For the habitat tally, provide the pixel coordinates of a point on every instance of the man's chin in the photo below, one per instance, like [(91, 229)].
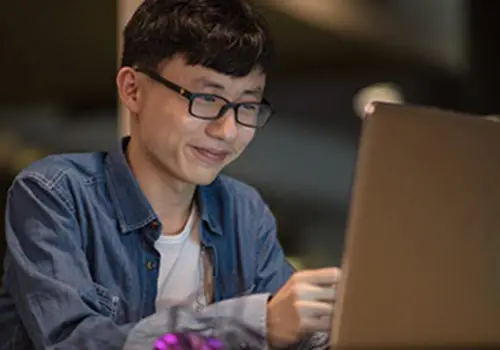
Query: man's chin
[(203, 177)]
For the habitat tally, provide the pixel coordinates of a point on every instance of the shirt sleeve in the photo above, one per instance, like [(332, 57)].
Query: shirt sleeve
[(47, 275)]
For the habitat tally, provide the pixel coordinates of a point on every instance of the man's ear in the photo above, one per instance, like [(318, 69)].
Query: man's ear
[(127, 82)]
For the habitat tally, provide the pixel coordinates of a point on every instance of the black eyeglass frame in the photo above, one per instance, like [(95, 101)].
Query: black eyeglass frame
[(191, 96)]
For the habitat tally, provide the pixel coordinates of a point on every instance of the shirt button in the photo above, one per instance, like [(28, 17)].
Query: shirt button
[(150, 265)]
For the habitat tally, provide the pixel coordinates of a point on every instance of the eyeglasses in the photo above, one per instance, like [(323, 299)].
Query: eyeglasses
[(212, 107)]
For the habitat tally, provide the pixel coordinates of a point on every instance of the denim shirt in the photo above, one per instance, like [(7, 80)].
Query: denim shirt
[(81, 269)]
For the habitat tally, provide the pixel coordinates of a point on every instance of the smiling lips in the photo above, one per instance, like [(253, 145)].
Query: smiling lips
[(211, 156)]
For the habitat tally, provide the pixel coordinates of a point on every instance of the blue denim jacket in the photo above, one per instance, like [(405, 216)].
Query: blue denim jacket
[(81, 270)]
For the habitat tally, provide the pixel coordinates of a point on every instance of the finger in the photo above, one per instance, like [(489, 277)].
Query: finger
[(318, 324), (315, 309), (325, 276), (312, 292)]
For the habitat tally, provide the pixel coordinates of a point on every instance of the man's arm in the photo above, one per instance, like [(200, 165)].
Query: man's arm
[(46, 272)]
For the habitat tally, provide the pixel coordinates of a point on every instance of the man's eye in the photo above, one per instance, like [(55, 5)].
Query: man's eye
[(208, 98), (250, 107)]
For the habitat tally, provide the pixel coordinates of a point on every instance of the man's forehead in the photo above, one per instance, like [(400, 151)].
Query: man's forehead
[(219, 81), (251, 84)]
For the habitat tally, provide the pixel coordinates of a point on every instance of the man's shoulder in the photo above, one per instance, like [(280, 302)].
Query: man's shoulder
[(54, 170)]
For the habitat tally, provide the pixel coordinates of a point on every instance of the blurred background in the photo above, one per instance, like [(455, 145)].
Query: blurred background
[(58, 61)]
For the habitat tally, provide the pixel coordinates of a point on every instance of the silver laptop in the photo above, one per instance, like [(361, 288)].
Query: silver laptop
[(421, 264)]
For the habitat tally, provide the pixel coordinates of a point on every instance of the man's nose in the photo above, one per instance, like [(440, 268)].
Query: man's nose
[(225, 127)]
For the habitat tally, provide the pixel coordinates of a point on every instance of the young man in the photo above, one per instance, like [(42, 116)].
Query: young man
[(98, 242)]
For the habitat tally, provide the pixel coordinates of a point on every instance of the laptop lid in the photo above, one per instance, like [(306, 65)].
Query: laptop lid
[(421, 264)]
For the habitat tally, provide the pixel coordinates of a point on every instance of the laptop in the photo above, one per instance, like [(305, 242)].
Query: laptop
[(421, 263)]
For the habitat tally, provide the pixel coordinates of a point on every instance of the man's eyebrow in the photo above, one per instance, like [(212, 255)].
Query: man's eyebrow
[(254, 92)]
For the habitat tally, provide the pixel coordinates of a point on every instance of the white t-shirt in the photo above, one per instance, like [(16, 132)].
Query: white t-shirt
[(181, 275)]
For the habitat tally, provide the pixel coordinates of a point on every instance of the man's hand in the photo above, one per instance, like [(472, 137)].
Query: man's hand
[(302, 306)]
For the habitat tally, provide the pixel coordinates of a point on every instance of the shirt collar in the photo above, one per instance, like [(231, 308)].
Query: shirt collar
[(133, 208)]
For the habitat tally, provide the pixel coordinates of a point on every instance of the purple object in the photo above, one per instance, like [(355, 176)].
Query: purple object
[(170, 339), (187, 341)]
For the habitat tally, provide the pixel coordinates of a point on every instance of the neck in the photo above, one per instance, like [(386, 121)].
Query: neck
[(170, 198)]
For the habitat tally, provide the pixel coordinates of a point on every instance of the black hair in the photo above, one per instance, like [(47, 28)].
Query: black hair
[(229, 36)]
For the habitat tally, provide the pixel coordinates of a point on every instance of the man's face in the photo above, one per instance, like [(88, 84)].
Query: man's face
[(191, 149)]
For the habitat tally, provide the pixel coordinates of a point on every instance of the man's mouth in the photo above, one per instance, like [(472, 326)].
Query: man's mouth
[(211, 156)]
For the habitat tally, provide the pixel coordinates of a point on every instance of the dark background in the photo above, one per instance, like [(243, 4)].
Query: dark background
[(58, 61)]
